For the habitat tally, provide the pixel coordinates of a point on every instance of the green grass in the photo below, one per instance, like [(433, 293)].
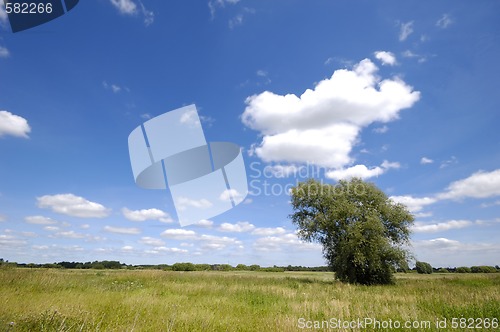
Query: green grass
[(151, 300)]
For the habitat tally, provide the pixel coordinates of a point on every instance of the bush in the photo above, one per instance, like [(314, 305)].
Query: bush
[(183, 267), (423, 267), (463, 269), (443, 270), (483, 269)]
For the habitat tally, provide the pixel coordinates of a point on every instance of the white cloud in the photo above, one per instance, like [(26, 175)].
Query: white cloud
[(322, 125), (381, 130), (445, 21), (127, 248), (163, 249), (406, 29), (268, 231), (183, 203), (4, 52), (69, 235), (479, 185), (288, 241), (125, 6), (420, 227), (361, 171), (40, 220), (239, 227), (52, 228), (9, 241), (452, 161), (387, 58), (414, 204), (179, 234), (72, 205), (230, 194), (190, 118), (152, 241), (204, 223), (14, 125), (147, 214), (121, 230), (425, 161), (211, 242)]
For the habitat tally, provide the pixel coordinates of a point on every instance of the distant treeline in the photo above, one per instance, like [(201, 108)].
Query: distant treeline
[(100, 265), (114, 265)]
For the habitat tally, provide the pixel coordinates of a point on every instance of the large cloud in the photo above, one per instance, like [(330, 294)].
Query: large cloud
[(72, 205), (14, 125), (478, 185), (322, 125)]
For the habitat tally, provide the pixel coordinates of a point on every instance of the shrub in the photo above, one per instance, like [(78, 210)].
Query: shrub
[(423, 267), (483, 269), (183, 267), (443, 270), (463, 269)]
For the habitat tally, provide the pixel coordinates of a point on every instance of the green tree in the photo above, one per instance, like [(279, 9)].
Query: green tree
[(423, 267), (361, 230)]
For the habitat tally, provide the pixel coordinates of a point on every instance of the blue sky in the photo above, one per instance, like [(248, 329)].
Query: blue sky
[(405, 96)]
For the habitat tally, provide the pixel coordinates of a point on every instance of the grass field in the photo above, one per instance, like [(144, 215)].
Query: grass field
[(153, 300)]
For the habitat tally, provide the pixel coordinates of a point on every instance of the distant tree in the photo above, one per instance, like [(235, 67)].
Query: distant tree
[(463, 269), (254, 267), (183, 267), (483, 269), (361, 230), (443, 270), (423, 267)]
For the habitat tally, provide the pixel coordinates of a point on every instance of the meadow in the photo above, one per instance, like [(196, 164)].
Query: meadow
[(155, 300)]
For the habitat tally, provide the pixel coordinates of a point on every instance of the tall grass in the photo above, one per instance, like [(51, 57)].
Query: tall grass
[(151, 300)]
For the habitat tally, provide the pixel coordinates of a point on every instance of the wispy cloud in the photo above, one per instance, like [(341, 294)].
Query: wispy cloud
[(445, 21), (405, 30)]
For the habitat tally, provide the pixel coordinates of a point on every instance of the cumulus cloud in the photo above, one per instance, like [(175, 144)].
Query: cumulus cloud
[(322, 125), (122, 230), (229, 195), (387, 58), (239, 227), (281, 242), (152, 241), (13, 125), (204, 223), (147, 214), (479, 185), (268, 231), (72, 205), (183, 203), (420, 227), (179, 234), (40, 220), (163, 249), (414, 204), (405, 29), (361, 171)]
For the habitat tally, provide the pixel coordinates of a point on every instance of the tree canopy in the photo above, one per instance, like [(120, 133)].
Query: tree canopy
[(362, 231)]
